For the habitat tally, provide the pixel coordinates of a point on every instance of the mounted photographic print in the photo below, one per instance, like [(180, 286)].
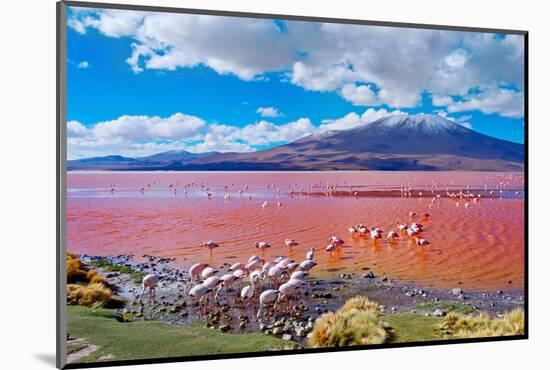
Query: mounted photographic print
[(238, 184)]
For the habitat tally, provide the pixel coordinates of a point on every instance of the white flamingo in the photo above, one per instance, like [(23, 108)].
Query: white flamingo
[(307, 265), (195, 271), (267, 299), (226, 281), (149, 282), (311, 254), (237, 266), (207, 272)]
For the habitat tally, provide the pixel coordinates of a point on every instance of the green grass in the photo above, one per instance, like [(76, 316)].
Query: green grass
[(136, 275), (448, 306), (150, 339), (412, 327)]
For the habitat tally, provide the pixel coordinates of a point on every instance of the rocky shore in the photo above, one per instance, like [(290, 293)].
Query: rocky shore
[(323, 295)]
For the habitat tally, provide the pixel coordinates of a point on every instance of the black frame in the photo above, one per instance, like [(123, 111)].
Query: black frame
[(62, 171)]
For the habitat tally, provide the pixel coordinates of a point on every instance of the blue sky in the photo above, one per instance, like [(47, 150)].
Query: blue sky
[(140, 83)]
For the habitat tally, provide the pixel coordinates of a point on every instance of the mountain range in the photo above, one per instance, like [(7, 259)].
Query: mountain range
[(398, 142)]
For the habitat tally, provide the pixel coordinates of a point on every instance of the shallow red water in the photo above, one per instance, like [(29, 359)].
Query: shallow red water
[(481, 246)]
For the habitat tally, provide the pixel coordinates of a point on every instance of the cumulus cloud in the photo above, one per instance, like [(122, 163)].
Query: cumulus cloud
[(401, 63), (83, 65), (144, 135), (271, 112), (505, 102), (359, 95)]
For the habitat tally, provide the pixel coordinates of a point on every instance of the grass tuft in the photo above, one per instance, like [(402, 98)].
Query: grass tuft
[(456, 325), (358, 322)]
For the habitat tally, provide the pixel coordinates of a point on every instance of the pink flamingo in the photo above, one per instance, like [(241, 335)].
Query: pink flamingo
[(393, 235), (311, 254), (422, 242), (331, 248), (291, 243), (210, 245), (262, 245)]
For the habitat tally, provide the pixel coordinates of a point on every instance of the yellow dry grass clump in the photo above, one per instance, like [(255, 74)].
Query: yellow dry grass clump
[(87, 287), (456, 325), (358, 322), (90, 295)]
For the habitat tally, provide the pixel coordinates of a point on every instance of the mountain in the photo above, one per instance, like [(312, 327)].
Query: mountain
[(398, 142), (153, 162)]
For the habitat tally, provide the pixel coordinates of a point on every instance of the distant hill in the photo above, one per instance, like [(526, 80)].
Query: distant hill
[(399, 142)]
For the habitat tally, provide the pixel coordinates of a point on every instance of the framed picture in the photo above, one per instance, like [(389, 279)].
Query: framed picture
[(237, 184)]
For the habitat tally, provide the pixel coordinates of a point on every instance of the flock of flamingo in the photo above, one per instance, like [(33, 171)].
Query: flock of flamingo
[(273, 282), (282, 279)]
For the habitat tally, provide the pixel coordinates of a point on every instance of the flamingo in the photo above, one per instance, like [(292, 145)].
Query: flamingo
[(299, 275), (211, 282), (363, 230), (307, 265), (267, 298), (275, 273), (284, 263), (352, 230), (331, 248), (412, 232), (375, 234), (199, 291), (207, 272), (253, 257), (311, 254), (422, 242), (412, 214), (237, 266), (252, 265), (291, 243), (393, 235), (267, 266), (195, 271), (210, 245), (291, 267), (337, 240), (247, 293), (288, 290), (226, 281), (149, 281), (262, 245)]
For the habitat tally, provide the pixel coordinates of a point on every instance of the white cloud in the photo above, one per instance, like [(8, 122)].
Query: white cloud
[(352, 120), (400, 63), (361, 95), (505, 102), (462, 120), (83, 65), (271, 112), (144, 135)]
